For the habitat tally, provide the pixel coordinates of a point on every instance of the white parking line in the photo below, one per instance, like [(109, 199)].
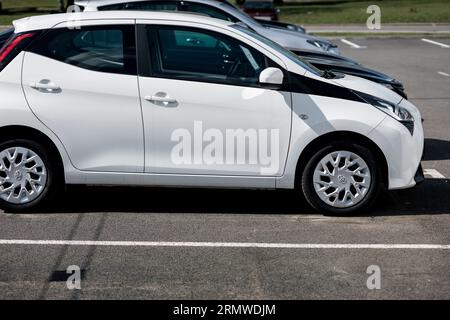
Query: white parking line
[(444, 74), (351, 44), (433, 173), (443, 45), (224, 244)]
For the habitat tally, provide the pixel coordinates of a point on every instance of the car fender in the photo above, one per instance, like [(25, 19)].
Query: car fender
[(316, 116)]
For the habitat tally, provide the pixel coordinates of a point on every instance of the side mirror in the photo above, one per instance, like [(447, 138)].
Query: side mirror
[(271, 77)]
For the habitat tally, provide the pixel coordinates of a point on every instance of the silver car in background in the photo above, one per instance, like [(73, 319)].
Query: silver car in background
[(221, 9)]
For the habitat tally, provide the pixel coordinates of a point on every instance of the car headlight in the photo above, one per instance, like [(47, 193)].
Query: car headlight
[(394, 110)]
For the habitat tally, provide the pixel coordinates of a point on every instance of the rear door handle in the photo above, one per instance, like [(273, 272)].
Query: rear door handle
[(45, 86)]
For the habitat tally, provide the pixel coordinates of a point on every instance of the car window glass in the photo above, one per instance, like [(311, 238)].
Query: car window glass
[(202, 55), (288, 54), (106, 49)]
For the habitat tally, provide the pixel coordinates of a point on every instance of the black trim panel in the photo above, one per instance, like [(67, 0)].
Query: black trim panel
[(307, 85), (419, 177)]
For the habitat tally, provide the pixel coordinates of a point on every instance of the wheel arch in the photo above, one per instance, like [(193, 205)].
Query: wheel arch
[(327, 138), (25, 132)]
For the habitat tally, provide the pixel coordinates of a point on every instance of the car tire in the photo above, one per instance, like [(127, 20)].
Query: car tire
[(32, 176), (364, 183)]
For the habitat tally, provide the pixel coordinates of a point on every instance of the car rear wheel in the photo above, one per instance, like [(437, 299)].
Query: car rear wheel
[(27, 175), (341, 178)]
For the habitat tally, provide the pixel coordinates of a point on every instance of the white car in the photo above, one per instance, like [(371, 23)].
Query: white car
[(179, 100)]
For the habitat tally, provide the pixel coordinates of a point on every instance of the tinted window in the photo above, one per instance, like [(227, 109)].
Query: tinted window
[(142, 5), (106, 49), (196, 54), (207, 11)]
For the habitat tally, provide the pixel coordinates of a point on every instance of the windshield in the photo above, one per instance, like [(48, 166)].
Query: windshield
[(288, 54)]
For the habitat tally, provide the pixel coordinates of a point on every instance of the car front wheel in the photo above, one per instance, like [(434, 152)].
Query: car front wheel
[(341, 178)]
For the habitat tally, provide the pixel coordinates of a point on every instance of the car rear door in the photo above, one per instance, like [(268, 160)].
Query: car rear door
[(82, 84)]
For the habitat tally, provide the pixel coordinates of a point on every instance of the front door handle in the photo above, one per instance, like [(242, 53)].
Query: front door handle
[(45, 86), (160, 97)]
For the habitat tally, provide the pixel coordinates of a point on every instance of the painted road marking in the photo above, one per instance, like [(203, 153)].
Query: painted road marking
[(351, 44), (223, 244), (443, 45), (444, 74), (433, 173)]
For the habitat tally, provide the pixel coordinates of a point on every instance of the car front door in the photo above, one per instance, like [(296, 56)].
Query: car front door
[(203, 108), (82, 84)]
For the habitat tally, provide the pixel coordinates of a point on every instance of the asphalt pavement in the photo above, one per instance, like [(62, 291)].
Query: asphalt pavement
[(149, 243)]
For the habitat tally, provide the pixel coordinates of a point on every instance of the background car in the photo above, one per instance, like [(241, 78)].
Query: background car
[(281, 25), (261, 9), (223, 10), (341, 64)]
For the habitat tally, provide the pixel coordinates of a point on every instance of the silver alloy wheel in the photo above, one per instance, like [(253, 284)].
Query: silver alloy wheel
[(23, 175), (342, 179)]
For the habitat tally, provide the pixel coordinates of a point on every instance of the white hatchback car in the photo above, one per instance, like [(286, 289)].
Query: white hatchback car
[(169, 99)]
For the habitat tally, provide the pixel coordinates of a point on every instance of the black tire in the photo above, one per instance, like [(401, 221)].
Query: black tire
[(53, 184), (313, 198)]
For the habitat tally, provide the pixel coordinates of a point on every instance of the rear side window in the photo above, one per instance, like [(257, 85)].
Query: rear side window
[(109, 49), (142, 5)]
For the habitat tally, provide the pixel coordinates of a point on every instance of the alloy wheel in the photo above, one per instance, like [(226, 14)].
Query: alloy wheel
[(23, 175), (342, 179)]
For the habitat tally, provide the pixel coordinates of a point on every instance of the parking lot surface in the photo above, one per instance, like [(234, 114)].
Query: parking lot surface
[(212, 244)]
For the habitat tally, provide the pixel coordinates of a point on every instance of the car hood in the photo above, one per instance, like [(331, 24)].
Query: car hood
[(368, 87), (325, 57)]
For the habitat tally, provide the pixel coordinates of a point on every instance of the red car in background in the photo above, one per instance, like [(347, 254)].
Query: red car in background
[(261, 9)]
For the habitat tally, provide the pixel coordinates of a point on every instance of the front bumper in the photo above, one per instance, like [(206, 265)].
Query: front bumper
[(402, 151)]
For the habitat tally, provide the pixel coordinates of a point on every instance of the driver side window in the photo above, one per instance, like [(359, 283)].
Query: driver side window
[(201, 55)]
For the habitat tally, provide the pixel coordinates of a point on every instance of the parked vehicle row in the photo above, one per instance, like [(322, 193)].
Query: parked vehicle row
[(173, 99), (223, 10)]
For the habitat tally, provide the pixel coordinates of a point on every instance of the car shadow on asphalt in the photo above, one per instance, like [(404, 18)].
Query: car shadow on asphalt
[(430, 197), (436, 149)]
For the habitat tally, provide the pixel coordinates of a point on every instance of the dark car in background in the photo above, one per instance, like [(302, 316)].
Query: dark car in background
[(339, 64), (261, 9)]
